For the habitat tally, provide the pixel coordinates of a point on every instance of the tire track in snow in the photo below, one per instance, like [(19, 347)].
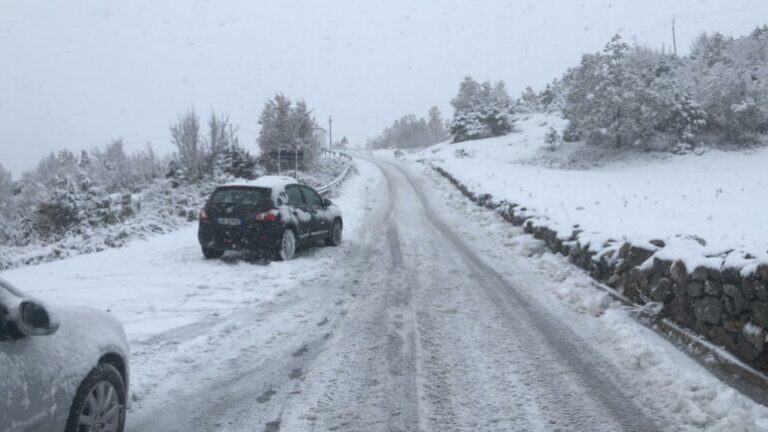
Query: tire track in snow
[(358, 258), (365, 379)]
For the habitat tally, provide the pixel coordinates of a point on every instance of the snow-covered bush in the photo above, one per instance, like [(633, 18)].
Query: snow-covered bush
[(529, 102), (552, 98), (553, 139), (157, 209)]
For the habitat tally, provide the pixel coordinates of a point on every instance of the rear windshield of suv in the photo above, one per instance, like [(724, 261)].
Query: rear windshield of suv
[(245, 196)]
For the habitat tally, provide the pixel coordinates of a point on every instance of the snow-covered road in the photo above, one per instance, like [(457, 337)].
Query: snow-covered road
[(434, 315)]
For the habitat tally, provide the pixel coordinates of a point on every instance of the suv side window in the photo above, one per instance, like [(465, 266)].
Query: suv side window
[(295, 199), (313, 199)]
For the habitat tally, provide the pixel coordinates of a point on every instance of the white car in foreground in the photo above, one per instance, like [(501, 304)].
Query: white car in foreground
[(62, 368)]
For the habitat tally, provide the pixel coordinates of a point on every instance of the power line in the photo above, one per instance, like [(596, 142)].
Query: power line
[(691, 16), (248, 130)]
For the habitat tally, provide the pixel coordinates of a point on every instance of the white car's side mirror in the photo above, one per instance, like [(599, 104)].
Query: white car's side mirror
[(34, 320)]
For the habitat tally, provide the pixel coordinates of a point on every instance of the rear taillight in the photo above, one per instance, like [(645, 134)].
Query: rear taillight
[(203, 215), (269, 216)]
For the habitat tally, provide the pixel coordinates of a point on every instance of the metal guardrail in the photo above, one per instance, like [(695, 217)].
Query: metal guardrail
[(337, 181), (336, 154)]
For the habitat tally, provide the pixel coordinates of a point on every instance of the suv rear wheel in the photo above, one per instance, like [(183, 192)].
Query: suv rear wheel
[(212, 253), (334, 237), (287, 248)]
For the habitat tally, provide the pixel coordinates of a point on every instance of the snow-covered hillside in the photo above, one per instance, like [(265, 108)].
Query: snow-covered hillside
[(712, 197)]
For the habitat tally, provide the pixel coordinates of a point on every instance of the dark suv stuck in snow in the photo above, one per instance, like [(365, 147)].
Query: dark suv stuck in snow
[(271, 214)]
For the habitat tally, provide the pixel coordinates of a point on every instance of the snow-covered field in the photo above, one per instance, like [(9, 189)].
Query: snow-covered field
[(433, 314), (715, 196)]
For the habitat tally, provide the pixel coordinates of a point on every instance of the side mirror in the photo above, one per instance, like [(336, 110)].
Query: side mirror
[(327, 202), (34, 320)]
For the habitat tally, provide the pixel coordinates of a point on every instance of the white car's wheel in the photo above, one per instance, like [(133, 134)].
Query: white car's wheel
[(100, 402)]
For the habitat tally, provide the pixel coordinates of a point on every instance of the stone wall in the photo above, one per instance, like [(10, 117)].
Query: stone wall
[(718, 303)]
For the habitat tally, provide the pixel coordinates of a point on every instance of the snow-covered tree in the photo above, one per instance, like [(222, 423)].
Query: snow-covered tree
[(436, 126), (481, 111), (185, 135), (303, 133), (728, 78), (410, 131), (553, 139), (115, 173), (145, 167), (288, 127), (6, 200), (529, 101), (68, 199), (635, 97), (6, 181), (69, 194), (471, 95), (275, 124), (552, 98), (237, 162), (630, 98), (219, 138)]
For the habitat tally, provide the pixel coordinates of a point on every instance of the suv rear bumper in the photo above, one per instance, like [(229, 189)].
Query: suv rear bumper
[(252, 239)]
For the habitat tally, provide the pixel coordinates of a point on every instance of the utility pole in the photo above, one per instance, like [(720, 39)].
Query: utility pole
[(330, 132), (674, 38)]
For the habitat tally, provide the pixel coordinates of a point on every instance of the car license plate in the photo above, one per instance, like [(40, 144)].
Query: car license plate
[(229, 221)]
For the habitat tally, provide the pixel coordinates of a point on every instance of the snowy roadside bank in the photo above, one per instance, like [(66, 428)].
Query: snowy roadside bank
[(627, 292), (701, 206), (160, 209), (605, 224)]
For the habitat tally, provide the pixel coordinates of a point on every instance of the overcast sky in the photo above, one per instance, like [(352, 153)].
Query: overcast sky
[(76, 74)]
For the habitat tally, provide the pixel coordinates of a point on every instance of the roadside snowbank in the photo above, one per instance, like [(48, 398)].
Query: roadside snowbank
[(158, 209), (702, 206)]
